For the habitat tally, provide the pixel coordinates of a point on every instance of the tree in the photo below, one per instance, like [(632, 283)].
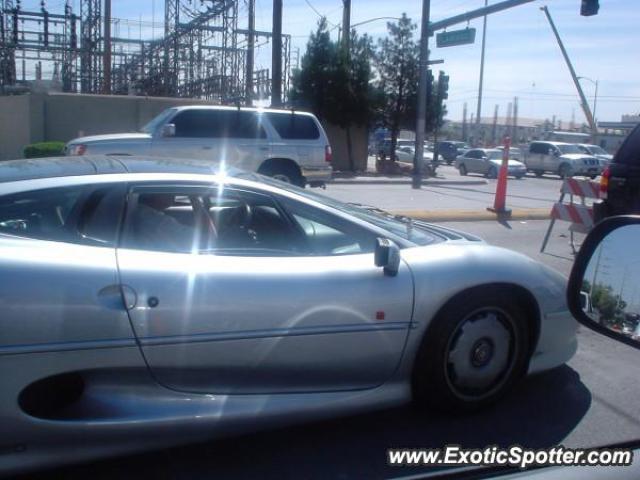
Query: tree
[(335, 85), (609, 305), (397, 61)]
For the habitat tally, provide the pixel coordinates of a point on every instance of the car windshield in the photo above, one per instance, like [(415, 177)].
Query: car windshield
[(596, 150), (153, 125), (400, 225), (569, 148)]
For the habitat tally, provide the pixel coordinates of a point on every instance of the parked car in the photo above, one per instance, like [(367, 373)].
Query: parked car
[(620, 181), (147, 302), (289, 146), (450, 150), (597, 152), (487, 161), (405, 153), (514, 152), (564, 159)]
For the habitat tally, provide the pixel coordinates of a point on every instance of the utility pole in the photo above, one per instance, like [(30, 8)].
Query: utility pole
[(248, 94), (495, 126), (418, 159), (345, 45), (484, 39), (106, 59), (514, 131), (583, 99), (276, 55), (464, 122), (346, 26)]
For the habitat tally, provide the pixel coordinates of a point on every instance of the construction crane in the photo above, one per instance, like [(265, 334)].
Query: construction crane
[(583, 100)]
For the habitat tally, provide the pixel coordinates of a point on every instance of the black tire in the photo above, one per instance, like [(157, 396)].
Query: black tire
[(285, 172), (463, 170), (449, 162), (519, 177), (435, 383), (565, 171), (592, 177), (538, 173), (492, 173)]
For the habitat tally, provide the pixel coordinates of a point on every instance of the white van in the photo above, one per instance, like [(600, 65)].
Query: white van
[(288, 145)]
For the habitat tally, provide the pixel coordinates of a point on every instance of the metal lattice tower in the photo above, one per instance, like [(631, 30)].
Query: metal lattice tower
[(8, 17), (201, 52), (90, 21)]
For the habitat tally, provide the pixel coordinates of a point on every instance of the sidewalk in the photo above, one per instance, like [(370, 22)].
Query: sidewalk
[(444, 176)]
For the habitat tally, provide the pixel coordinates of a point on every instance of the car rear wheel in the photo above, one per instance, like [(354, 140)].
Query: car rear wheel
[(463, 170), (473, 352), (538, 173), (285, 173), (492, 173)]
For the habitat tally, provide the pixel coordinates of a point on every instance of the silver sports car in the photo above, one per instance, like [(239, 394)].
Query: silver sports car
[(147, 303)]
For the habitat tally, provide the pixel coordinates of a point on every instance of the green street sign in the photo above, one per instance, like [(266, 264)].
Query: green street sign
[(456, 37)]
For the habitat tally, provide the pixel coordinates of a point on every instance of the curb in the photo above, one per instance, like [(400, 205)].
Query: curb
[(341, 181), (474, 215)]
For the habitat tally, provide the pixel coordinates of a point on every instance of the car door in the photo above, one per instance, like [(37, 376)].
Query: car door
[(257, 299), (59, 283), (552, 159), (196, 136), (242, 139), (473, 161), (534, 156)]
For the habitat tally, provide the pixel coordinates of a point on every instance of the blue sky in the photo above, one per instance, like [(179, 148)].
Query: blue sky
[(522, 56)]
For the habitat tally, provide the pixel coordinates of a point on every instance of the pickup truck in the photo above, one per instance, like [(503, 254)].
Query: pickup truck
[(290, 146), (564, 159)]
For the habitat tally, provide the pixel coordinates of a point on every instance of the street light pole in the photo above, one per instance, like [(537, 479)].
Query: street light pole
[(484, 39), (418, 159)]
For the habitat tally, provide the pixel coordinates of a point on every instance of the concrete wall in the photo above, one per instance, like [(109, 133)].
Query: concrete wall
[(15, 128), (32, 118)]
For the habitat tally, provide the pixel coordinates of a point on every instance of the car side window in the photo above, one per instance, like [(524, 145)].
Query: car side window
[(100, 217), (327, 235), (208, 123), (199, 123), (45, 214), (538, 148), (200, 220), (294, 127)]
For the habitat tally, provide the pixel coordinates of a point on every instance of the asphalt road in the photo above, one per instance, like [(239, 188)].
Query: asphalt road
[(529, 192), (591, 401)]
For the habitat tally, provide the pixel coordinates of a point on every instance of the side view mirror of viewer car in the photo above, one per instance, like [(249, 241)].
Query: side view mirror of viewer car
[(604, 287), (169, 130), (387, 256)]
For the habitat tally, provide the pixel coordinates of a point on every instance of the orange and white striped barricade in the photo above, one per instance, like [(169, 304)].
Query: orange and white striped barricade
[(579, 214)]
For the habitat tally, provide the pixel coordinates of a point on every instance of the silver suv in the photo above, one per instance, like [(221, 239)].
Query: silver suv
[(288, 145), (564, 159)]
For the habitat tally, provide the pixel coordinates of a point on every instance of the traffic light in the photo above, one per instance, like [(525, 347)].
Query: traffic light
[(443, 85), (429, 86), (589, 7)]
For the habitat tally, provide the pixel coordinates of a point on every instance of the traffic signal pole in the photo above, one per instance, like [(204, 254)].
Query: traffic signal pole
[(427, 29), (418, 159)]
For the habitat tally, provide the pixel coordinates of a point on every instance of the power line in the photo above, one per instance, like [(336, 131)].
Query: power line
[(315, 10)]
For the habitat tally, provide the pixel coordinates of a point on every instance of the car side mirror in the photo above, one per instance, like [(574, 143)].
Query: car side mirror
[(387, 256), (604, 287), (169, 130)]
